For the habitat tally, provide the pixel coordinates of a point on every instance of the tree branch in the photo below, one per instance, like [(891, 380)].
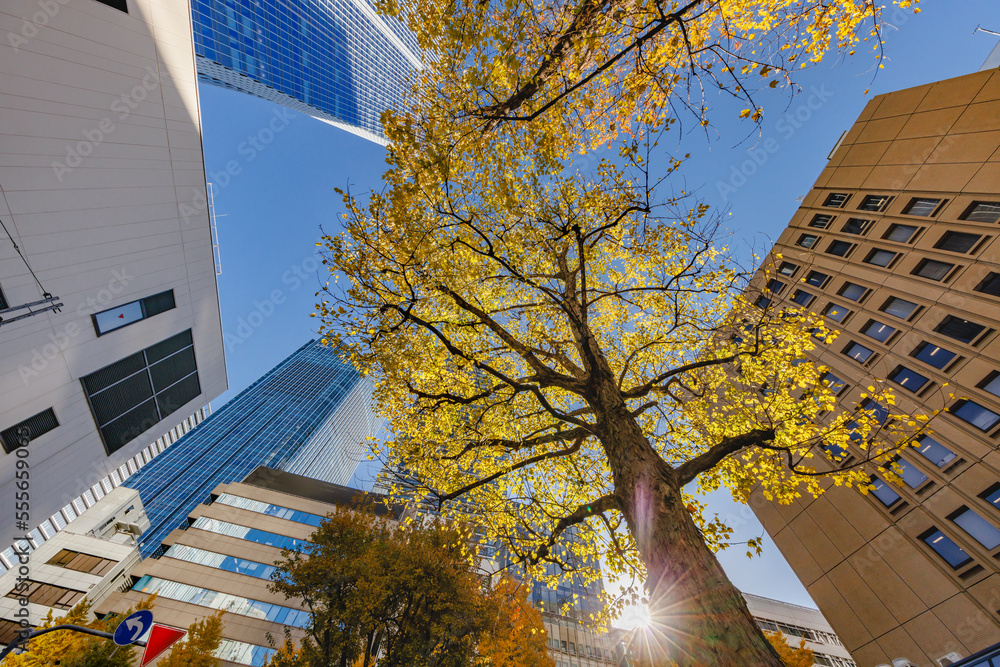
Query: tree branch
[(688, 470)]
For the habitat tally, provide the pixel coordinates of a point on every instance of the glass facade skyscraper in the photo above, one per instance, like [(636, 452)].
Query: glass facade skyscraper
[(310, 415), (335, 60)]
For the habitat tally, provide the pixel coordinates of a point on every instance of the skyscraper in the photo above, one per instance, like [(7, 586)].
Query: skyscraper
[(896, 245), (310, 415), (338, 61)]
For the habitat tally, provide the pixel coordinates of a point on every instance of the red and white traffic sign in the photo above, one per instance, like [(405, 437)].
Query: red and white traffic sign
[(161, 637)]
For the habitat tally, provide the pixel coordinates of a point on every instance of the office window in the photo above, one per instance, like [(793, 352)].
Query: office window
[(879, 412), (932, 355), (990, 284), (120, 5), (821, 221), (880, 257), (817, 279), (933, 269), (856, 226), (787, 269), (81, 562), (858, 352), (839, 248), (883, 491), (908, 379), (874, 202), (762, 302), (132, 395), (33, 427), (853, 291), (900, 308), (992, 495), (776, 286), (900, 233), (958, 241), (836, 312), (959, 329), (878, 331), (48, 595), (952, 554), (836, 199), (976, 526), (835, 384), (969, 411), (134, 311), (934, 451), (921, 206), (835, 452), (982, 211), (807, 240), (991, 383), (802, 297)]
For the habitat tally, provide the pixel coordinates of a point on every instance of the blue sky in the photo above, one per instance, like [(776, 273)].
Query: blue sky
[(275, 172)]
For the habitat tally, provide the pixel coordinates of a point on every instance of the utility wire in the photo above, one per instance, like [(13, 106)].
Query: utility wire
[(24, 259)]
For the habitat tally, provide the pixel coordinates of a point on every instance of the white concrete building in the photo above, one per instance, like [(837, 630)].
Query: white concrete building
[(110, 333), (800, 623), (92, 558)]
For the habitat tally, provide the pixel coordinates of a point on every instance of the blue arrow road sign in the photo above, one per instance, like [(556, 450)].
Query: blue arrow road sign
[(133, 627)]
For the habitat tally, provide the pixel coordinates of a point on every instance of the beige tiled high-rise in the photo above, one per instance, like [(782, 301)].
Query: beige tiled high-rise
[(898, 244)]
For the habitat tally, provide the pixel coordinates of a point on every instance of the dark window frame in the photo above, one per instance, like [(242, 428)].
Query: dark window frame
[(868, 200), (4, 304), (828, 201), (120, 5), (916, 201), (971, 210), (898, 225), (822, 283), (821, 221), (144, 306), (954, 409), (974, 339), (815, 239), (37, 425), (901, 370), (872, 323), (851, 345), (916, 308), (862, 225), (927, 261), (930, 532), (848, 284), (141, 388), (990, 282), (833, 304), (838, 244), (976, 241), (809, 296), (919, 350), (893, 256), (783, 269)]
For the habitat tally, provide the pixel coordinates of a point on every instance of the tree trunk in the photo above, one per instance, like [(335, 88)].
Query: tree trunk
[(697, 616)]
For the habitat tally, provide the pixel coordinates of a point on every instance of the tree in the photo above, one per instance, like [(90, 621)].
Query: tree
[(556, 344), (560, 348), (791, 656), (395, 596), (72, 649), (198, 647), (513, 635)]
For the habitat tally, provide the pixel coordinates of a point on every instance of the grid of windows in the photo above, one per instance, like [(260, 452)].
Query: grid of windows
[(131, 396), (81, 562), (338, 60), (310, 415), (232, 604), (249, 534)]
